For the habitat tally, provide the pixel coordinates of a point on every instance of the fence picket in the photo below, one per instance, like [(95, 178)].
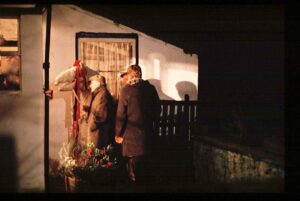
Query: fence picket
[(177, 121)]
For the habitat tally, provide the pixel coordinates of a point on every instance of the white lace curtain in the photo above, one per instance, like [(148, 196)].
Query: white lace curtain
[(110, 58)]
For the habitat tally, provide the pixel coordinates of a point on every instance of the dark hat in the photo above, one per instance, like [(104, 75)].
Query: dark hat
[(122, 74), (134, 71)]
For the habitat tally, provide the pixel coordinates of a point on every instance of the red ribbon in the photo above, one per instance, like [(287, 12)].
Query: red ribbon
[(79, 72)]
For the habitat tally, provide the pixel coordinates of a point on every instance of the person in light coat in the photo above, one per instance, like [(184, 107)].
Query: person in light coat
[(100, 113)]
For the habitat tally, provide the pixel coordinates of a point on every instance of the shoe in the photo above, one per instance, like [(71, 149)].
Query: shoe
[(131, 169), (132, 177)]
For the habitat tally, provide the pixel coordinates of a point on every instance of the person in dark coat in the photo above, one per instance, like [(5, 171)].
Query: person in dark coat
[(100, 113), (138, 107)]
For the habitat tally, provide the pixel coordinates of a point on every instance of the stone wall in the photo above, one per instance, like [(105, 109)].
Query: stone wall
[(237, 169)]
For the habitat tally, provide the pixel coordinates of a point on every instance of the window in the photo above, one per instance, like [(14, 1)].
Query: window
[(10, 67), (109, 54)]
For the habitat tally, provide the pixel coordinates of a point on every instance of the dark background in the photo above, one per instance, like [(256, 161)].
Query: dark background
[(241, 59)]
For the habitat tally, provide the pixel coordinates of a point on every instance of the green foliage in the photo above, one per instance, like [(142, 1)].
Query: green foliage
[(89, 162)]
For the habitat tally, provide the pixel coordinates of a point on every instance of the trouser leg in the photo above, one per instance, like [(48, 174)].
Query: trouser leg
[(134, 167), (131, 167)]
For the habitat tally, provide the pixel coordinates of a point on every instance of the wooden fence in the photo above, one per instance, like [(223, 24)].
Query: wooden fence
[(177, 121), (173, 149)]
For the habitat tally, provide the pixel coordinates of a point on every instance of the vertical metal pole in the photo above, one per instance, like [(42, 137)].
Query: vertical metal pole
[(46, 66), (76, 45), (137, 50)]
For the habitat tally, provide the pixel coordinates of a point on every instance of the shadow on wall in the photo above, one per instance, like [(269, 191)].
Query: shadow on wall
[(189, 88), (8, 166), (157, 84), (12, 103)]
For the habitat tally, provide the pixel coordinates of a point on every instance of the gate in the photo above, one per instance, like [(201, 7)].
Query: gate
[(177, 121), (174, 130)]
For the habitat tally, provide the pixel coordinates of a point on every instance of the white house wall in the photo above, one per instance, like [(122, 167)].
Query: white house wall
[(67, 20), (22, 114), (163, 64)]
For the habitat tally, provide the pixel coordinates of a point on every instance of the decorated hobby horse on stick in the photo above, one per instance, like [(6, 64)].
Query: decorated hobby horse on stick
[(71, 79)]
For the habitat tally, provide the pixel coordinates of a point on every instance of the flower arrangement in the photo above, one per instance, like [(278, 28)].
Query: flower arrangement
[(66, 163), (86, 161)]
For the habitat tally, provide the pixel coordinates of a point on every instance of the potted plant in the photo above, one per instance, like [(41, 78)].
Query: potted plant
[(87, 166)]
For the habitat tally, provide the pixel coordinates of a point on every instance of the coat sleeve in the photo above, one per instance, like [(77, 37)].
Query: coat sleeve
[(101, 108), (121, 117), (155, 104)]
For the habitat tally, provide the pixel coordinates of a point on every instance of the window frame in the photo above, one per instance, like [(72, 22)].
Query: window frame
[(108, 35), (14, 53)]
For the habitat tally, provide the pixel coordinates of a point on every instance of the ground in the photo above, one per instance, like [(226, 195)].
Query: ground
[(57, 185)]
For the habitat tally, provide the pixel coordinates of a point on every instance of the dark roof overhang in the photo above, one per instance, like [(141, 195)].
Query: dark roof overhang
[(21, 9)]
